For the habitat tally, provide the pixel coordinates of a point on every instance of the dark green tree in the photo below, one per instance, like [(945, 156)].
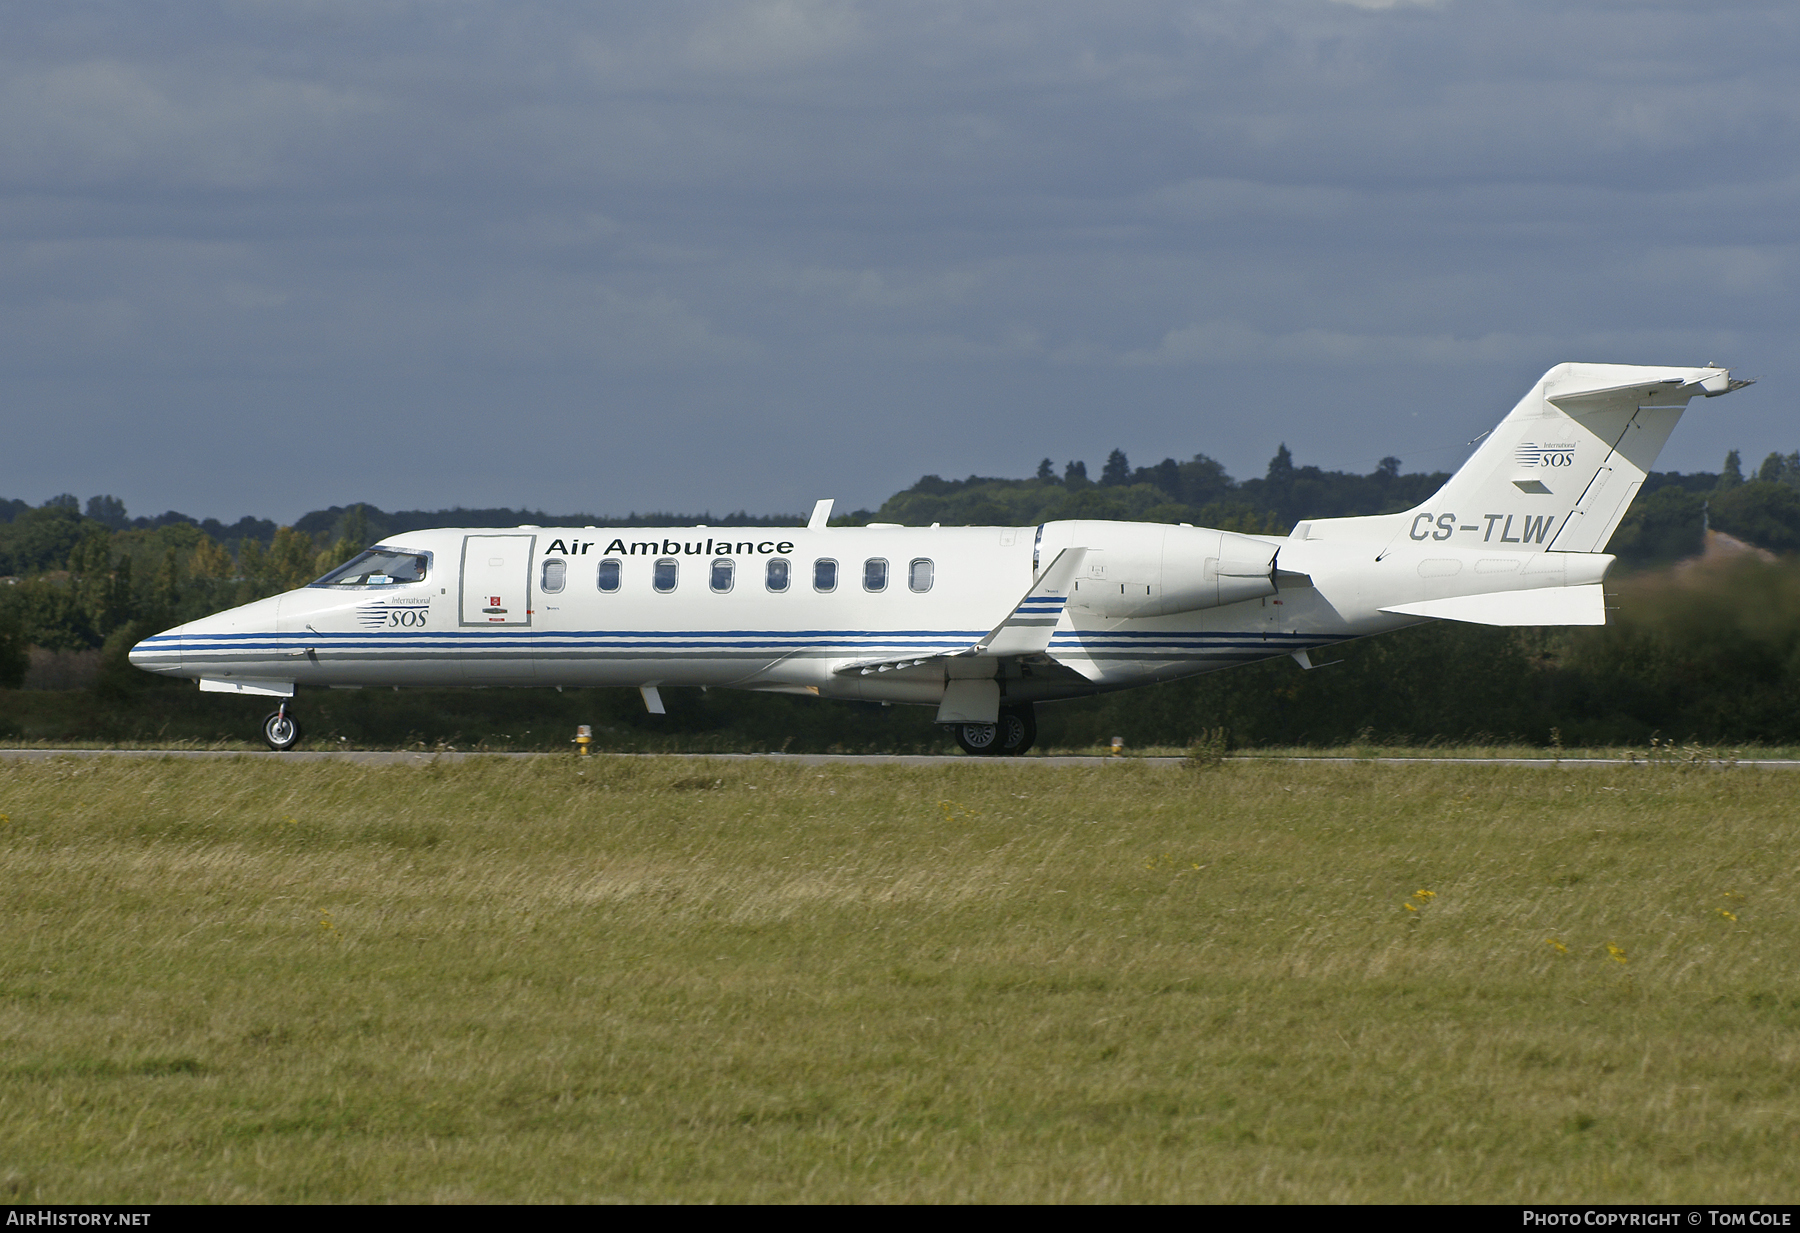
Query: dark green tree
[(1116, 471), (15, 648), (1764, 513), (1281, 467), (1166, 475), (1732, 473), (1660, 529), (109, 512), (101, 583)]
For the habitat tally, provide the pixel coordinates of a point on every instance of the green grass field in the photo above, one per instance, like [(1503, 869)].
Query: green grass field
[(656, 979)]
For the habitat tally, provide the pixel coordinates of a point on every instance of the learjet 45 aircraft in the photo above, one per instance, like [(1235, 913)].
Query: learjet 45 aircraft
[(979, 622)]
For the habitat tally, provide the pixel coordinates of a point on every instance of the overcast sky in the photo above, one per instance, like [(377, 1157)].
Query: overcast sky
[(266, 257)]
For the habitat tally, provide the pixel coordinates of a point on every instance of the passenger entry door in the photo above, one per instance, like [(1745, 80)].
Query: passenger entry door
[(496, 580)]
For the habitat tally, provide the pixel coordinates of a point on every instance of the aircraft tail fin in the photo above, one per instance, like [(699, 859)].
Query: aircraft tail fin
[(1518, 535), (1559, 472), (1561, 469)]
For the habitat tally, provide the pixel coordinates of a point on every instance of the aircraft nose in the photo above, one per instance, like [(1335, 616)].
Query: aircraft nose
[(155, 654)]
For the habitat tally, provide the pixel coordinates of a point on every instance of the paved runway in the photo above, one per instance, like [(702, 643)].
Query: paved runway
[(374, 757)]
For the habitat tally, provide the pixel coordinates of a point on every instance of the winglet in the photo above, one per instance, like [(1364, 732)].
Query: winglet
[(1025, 631), (1027, 628), (820, 516)]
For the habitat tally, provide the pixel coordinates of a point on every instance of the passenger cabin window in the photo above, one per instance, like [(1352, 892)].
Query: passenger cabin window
[(662, 575), (775, 574), (875, 574), (379, 567), (556, 572), (918, 575), (608, 579), (723, 569), (824, 574)]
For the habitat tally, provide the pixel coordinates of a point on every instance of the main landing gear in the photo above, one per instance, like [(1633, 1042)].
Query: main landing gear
[(281, 729), (1012, 735)]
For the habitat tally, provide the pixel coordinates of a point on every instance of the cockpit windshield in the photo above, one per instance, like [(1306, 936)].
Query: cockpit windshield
[(379, 567)]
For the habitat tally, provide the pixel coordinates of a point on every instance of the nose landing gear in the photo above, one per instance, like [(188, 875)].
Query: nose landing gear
[(1015, 732), (281, 729)]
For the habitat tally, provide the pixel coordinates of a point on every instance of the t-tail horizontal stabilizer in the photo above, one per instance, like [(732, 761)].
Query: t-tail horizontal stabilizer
[(1582, 605)]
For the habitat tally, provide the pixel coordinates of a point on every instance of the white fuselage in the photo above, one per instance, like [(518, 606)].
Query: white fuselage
[(945, 588)]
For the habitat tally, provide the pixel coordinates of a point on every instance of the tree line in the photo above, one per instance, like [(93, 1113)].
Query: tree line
[(1697, 653), (1198, 491)]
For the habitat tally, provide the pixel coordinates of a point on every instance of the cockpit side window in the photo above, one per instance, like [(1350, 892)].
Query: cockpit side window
[(379, 567)]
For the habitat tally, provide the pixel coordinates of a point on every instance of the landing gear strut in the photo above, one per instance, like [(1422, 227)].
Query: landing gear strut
[(281, 729), (1012, 735)]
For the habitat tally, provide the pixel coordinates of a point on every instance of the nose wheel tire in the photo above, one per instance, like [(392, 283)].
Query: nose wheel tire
[(281, 730)]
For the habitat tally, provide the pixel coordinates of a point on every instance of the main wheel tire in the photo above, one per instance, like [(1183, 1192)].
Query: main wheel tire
[(982, 740), (281, 730), (1018, 730)]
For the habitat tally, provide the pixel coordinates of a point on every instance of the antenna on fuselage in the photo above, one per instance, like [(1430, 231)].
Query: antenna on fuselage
[(821, 515)]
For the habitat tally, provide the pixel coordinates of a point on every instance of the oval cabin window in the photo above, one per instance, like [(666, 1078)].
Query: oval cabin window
[(556, 572), (663, 573), (609, 575)]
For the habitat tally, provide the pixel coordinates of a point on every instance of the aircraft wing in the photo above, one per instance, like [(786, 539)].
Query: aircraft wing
[(1025, 631)]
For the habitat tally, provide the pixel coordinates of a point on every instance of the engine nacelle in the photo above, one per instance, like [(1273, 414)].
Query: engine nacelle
[(1136, 570)]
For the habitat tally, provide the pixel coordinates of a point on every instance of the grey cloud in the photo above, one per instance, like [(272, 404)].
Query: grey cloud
[(814, 241)]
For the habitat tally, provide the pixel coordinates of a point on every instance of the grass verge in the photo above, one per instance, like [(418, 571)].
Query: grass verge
[(648, 979)]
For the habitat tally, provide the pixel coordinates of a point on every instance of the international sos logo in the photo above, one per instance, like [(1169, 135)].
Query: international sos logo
[(395, 616), (1555, 454)]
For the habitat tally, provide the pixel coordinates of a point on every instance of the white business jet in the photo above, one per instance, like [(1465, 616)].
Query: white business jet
[(979, 622)]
